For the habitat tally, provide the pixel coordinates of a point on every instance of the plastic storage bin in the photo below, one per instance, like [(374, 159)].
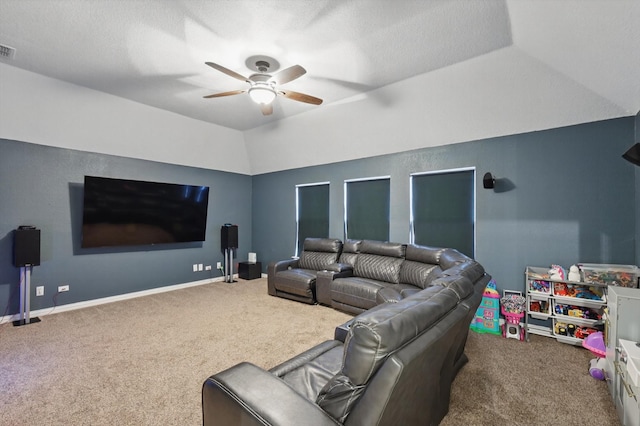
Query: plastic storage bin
[(618, 275)]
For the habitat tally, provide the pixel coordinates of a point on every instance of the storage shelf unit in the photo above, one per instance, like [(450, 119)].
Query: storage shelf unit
[(562, 309)]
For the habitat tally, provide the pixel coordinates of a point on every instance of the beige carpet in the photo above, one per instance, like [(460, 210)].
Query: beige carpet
[(143, 361)]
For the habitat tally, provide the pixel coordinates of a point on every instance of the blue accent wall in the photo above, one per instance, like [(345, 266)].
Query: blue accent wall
[(562, 196), (43, 186)]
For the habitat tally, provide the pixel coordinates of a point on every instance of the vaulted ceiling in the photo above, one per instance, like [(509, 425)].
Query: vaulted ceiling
[(154, 51)]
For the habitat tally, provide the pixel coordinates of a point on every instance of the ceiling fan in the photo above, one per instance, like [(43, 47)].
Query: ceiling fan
[(264, 87)]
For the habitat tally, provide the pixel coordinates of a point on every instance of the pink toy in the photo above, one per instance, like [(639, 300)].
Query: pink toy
[(512, 325), (595, 343)]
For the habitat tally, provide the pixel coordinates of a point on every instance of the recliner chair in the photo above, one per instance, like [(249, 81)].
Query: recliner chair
[(395, 367), (295, 279)]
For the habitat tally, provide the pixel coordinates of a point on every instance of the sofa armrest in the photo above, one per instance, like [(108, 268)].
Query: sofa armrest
[(323, 283), (275, 267), (248, 395), (339, 267)]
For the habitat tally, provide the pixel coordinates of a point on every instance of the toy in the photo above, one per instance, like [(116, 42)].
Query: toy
[(540, 285), (560, 289), (574, 273), (535, 306), (487, 316), (512, 307), (583, 332), (557, 272), (595, 343)]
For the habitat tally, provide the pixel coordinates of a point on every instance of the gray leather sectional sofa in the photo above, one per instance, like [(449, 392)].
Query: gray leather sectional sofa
[(393, 364)]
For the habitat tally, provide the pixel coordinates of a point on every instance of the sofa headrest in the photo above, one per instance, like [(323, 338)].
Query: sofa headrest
[(351, 246), (459, 284), (378, 333), (328, 245), (424, 254), (382, 248), (451, 257), (470, 269)]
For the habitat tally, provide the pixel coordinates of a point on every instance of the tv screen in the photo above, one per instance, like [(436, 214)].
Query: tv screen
[(121, 212)]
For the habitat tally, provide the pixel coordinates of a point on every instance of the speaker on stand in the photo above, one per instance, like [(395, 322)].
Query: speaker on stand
[(228, 243), (26, 255)]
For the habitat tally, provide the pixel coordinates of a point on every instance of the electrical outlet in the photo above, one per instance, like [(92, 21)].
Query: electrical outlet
[(199, 266), (207, 268), (195, 267), (219, 265), (40, 290), (62, 288)]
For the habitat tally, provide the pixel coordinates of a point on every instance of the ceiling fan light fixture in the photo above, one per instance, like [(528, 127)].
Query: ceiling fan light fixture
[(262, 94)]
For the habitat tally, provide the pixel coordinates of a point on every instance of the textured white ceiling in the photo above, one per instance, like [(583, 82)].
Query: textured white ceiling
[(153, 51)]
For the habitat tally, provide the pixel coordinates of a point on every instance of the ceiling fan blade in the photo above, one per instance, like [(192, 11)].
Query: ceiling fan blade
[(219, 95), (288, 74), (227, 71), (267, 109), (300, 97)]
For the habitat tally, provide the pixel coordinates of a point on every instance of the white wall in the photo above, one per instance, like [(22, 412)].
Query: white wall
[(46, 111), (501, 93)]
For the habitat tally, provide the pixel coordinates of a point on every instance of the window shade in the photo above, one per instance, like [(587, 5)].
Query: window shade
[(313, 213), (443, 210), (367, 210)]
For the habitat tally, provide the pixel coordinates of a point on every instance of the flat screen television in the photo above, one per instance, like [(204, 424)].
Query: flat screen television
[(121, 212)]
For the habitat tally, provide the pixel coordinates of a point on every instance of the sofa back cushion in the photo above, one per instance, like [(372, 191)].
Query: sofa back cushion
[(374, 336), (379, 261), (350, 250), (319, 253), (418, 274)]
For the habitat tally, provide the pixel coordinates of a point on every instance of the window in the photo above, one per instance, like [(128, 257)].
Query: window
[(443, 210), (312, 212), (366, 204)]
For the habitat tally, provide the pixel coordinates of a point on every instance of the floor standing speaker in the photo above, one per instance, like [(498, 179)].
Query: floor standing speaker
[(229, 236), (26, 246)]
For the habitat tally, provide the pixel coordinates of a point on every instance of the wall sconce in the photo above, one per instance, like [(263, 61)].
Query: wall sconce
[(633, 154), (488, 181)]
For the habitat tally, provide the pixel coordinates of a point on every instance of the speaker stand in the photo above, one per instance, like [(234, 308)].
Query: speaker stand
[(228, 265), (25, 297)]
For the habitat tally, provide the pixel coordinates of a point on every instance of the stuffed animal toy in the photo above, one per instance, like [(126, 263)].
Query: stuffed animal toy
[(557, 272), (574, 273)]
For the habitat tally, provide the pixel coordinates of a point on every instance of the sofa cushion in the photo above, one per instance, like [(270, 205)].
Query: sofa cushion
[(383, 248), (375, 335), (459, 284), (375, 267), (417, 273), (424, 254), (296, 281), (395, 292), (470, 269), (350, 251), (309, 371), (317, 260), (318, 253), (355, 291)]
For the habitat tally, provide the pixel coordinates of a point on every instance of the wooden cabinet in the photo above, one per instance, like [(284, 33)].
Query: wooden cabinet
[(622, 320)]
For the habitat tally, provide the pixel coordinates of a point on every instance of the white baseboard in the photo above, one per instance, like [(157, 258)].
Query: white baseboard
[(110, 299)]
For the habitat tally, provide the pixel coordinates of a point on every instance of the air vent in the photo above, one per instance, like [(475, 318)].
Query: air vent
[(7, 52)]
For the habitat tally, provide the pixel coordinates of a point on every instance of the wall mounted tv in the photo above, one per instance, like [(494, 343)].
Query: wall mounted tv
[(120, 212)]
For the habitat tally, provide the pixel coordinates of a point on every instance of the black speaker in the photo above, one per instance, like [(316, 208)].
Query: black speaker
[(228, 236), (488, 181), (633, 154), (26, 246)]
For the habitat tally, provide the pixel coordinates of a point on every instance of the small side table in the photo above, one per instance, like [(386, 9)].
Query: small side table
[(249, 270)]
